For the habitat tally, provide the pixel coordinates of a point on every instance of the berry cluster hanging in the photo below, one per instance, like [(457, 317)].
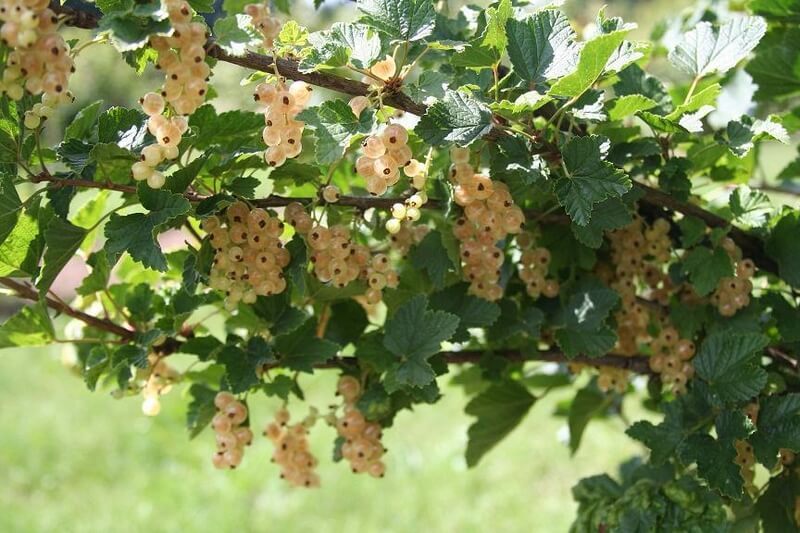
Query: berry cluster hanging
[(249, 255)]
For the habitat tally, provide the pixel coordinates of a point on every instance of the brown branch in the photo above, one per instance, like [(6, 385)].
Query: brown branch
[(28, 292), (358, 202), (751, 245)]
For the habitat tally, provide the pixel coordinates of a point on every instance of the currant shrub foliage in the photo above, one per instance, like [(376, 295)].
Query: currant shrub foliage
[(489, 195)]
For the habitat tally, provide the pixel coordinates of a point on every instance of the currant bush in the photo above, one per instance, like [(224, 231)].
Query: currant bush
[(462, 206)]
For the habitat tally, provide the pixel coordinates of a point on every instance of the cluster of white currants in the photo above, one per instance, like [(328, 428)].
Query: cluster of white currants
[(379, 274), (182, 57), (383, 157), (292, 452), (362, 446), (249, 255), (533, 265), (672, 359), (282, 132), (407, 236), (231, 435), (168, 133), (159, 380), (39, 61), (489, 216), (733, 292), (268, 26)]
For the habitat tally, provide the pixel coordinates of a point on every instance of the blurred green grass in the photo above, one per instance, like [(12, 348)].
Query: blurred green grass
[(71, 460)]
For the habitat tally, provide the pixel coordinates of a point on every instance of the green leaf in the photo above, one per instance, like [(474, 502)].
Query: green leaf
[(180, 180), (705, 267), (459, 118), (494, 35), (431, 256), (777, 504), (589, 179), (608, 215), (635, 81), (130, 24), (10, 206), (362, 43), (782, 10), (472, 312), (715, 464), (136, 233), (230, 130), (241, 365), (776, 66), (334, 125), (741, 135), (750, 207), (201, 409), (627, 105), (542, 46), (588, 403), (729, 363), (230, 34), (30, 326), (594, 56), (583, 328), (97, 280), (17, 248), (300, 350), (499, 409), (784, 247), (62, 240), (778, 426), (347, 322), (413, 335), (402, 20), (85, 123), (704, 50)]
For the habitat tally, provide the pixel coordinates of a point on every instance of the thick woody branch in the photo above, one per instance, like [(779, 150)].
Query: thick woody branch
[(751, 245), (358, 202), (27, 292)]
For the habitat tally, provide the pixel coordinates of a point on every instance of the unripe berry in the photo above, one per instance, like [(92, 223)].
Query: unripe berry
[(156, 180), (141, 171), (393, 226)]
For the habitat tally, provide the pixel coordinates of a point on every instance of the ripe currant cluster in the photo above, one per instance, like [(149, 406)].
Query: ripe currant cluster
[(292, 452), (533, 266), (746, 460), (408, 210), (282, 133), (379, 274), (733, 292), (672, 359), (383, 157), (638, 252), (268, 26), (249, 255), (489, 216), (612, 379), (182, 57), (335, 257), (362, 439), (407, 236), (159, 380), (40, 61), (168, 133), (231, 435)]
